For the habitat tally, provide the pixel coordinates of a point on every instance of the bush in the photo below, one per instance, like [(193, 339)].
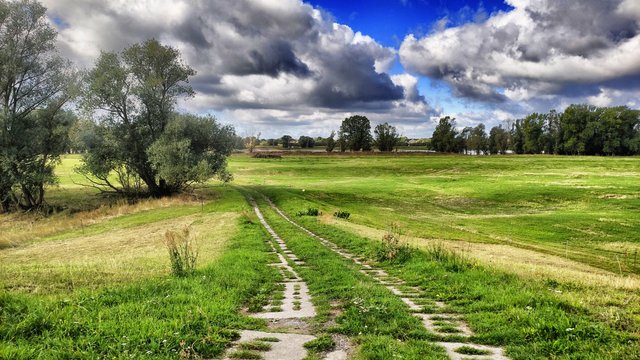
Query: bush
[(391, 248), (309, 212), (342, 214), (183, 251)]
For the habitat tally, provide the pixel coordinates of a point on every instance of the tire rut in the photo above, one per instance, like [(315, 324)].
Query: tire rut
[(452, 328)]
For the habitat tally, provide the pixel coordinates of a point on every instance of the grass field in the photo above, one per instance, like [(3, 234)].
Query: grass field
[(546, 244)]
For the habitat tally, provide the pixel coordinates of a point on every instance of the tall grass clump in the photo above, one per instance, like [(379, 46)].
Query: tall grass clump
[(450, 260), (391, 248), (183, 251), (340, 214)]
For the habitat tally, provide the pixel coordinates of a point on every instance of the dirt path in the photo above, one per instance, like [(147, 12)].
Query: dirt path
[(447, 325), (287, 315)]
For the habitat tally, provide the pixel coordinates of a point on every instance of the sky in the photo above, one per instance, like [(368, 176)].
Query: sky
[(280, 67)]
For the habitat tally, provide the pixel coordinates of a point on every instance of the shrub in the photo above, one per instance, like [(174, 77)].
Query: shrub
[(342, 214), (309, 212), (391, 248), (183, 251)]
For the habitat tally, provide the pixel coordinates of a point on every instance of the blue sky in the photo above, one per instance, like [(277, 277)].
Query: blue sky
[(300, 67), (389, 21)]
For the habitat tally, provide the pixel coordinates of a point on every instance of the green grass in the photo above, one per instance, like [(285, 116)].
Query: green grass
[(539, 254), (581, 208), (157, 318), (525, 317)]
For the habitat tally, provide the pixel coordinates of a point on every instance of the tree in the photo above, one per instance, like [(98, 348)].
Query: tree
[(387, 137), (498, 140), (35, 85), (356, 133), (517, 137), (533, 133), (444, 136), (478, 141), (461, 143), (135, 93), (331, 143), (306, 142), (286, 141), (342, 143), (250, 142)]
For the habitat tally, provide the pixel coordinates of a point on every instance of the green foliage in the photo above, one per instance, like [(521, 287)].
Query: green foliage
[(331, 143), (323, 343), (183, 251), (306, 142), (192, 149), (387, 137), (444, 136), (341, 214), (579, 130), (286, 141), (355, 133), (309, 212), (468, 350), (499, 139), (35, 85), (140, 138)]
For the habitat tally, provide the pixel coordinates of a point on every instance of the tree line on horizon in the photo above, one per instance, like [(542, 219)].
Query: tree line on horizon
[(579, 130)]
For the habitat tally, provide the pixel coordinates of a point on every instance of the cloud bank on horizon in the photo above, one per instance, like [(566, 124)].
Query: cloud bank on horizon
[(540, 53), (289, 67)]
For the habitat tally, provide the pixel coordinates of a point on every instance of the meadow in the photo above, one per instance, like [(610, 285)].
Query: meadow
[(525, 247)]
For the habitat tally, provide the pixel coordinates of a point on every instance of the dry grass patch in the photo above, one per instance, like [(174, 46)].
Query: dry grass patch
[(612, 298), (115, 256), (19, 228)]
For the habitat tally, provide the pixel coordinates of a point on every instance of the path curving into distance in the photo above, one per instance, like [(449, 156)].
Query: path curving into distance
[(446, 325), (294, 308)]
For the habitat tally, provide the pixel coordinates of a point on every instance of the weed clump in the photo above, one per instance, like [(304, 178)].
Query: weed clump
[(321, 344), (468, 350), (391, 248), (450, 260), (309, 212), (340, 214), (183, 251)]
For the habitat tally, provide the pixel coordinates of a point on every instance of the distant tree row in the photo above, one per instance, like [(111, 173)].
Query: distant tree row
[(579, 130), (354, 135)]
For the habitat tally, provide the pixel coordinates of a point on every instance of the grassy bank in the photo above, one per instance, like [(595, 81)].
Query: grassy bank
[(532, 319)]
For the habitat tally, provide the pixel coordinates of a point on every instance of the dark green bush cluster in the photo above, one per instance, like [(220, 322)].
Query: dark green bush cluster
[(309, 212), (342, 214)]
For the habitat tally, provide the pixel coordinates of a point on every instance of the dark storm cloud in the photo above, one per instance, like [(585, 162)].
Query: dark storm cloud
[(248, 53), (539, 48)]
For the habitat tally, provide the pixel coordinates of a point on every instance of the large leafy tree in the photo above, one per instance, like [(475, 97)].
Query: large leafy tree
[(498, 142), (140, 145), (355, 132), (35, 85), (387, 137), (478, 140), (444, 136)]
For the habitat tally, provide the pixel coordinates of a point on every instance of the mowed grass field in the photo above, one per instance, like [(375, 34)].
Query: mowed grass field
[(546, 262), (568, 224), (580, 208)]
